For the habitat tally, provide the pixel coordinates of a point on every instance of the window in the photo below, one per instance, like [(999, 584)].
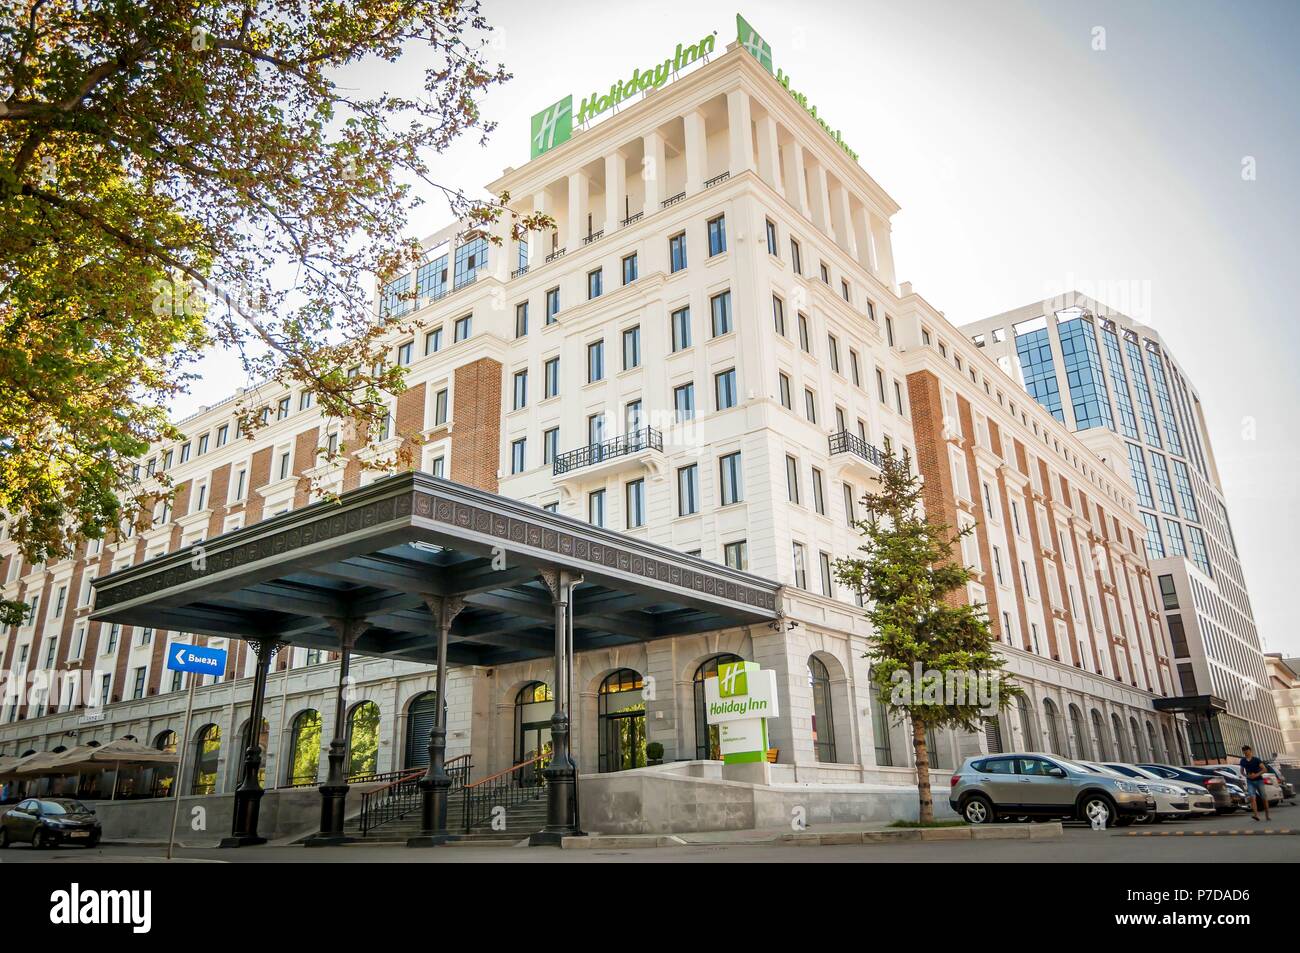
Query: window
[(464, 328), (551, 371), (724, 388), (595, 283), (138, 690), (632, 417), (889, 330), (898, 398), (792, 479), (784, 384), (810, 405), (284, 471), (880, 386), (778, 315), (518, 453), (796, 259), (684, 401), (771, 237), (853, 363), (849, 515), (440, 407), (681, 329), (632, 348), (844, 291), (552, 305), (433, 341), (550, 444), (629, 269), (805, 342), (720, 308), (833, 348), (470, 257), (185, 448), (828, 578), (677, 252), (439, 466), (596, 507), (635, 495), (819, 498), (203, 445), (239, 484), (521, 390), (800, 565), (717, 235), (223, 432), (730, 479), (688, 490), (521, 319), (735, 555), (595, 361), (404, 355), (825, 272), (595, 429)]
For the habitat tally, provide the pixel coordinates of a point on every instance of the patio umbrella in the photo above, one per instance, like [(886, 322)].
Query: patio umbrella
[(118, 752), (42, 763)]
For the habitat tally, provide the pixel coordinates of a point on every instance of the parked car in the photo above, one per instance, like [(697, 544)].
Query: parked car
[(1225, 799), (49, 821), (1174, 799), (1200, 799), (1272, 783), (1288, 789), (1044, 785)]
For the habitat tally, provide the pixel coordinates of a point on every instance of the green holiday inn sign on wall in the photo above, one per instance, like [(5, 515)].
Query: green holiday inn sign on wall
[(554, 124)]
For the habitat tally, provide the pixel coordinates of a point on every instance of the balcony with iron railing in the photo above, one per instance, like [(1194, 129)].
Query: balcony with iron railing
[(629, 448), (856, 450)]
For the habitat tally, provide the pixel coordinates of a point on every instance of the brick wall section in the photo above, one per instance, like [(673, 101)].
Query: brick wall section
[(981, 529), (1064, 588), (33, 654), (218, 492), (305, 446), (476, 424), (259, 475), (1044, 596), (119, 688), (410, 422)]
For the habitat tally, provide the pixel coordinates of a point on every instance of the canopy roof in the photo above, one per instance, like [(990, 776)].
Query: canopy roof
[(379, 553)]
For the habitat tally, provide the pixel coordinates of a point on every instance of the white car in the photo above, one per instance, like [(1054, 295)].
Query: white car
[(1182, 800)]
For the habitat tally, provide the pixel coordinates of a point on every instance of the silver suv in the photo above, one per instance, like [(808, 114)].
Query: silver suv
[(1044, 785)]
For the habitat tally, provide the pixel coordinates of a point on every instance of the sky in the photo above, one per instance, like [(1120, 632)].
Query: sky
[(1146, 153)]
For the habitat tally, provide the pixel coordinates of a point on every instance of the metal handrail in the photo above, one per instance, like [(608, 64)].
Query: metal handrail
[(647, 438), (845, 442), (515, 785), (403, 795), (710, 183), (672, 200)]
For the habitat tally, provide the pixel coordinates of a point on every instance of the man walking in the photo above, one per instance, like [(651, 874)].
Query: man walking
[(1253, 769)]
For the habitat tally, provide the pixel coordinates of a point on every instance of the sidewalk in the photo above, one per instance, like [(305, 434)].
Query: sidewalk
[(824, 835)]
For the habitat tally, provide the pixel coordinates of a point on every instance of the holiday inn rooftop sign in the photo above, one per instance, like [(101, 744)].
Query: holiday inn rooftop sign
[(554, 124)]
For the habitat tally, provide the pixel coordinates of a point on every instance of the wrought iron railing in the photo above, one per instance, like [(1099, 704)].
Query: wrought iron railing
[(594, 237), (647, 438), (845, 442), (403, 795), (710, 183), (672, 200), (634, 217), (558, 253), (521, 270), (516, 785)]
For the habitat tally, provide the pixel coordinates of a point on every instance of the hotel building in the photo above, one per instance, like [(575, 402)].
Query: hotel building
[(1116, 383), (708, 355)]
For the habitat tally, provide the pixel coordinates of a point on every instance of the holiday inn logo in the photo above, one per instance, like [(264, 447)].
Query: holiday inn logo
[(552, 126), (732, 679), (755, 44)]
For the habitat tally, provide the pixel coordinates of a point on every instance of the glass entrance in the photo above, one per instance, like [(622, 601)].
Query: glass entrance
[(622, 722), (534, 706)]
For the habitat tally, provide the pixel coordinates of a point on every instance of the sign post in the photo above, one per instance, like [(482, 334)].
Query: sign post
[(196, 660), (739, 700)]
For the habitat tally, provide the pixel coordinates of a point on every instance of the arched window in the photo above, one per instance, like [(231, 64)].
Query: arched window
[(621, 704), (207, 752), (707, 745), (1169, 744), (823, 726), (304, 748), (1151, 743), (993, 734), (1121, 741), (936, 752), (165, 741), (420, 718), (1053, 727), (534, 706), (161, 777), (59, 750), (1080, 738), (245, 741), (1138, 747), (1104, 750), (1028, 728), (363, 740), (880, 728)]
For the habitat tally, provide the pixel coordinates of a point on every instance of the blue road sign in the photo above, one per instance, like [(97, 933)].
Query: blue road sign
[(199, 659)]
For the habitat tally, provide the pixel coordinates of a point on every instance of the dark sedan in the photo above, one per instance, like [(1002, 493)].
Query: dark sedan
[(50, 821), (1220, 788)]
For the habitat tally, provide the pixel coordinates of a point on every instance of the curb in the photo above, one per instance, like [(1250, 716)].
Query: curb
[(1047, 831), (1251, 832)]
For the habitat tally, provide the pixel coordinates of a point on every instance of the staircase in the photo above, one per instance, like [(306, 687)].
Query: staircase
[(515, 797)]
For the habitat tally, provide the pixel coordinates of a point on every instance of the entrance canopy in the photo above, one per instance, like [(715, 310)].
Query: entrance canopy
[(383, 552)]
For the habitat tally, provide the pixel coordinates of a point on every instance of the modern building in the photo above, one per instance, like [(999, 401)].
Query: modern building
[(1284, 678), (1117, 385), (703, 362)]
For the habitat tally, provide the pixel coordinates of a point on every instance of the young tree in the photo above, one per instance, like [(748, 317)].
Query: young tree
[(930, 649), (163, 165)]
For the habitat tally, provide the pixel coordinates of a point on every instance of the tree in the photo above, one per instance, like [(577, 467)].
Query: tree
[(932, 653), (162, 164)]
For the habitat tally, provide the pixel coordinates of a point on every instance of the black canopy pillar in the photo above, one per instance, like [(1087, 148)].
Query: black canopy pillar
[(436, 783), (248, 796), (562, 773), (334, 792)]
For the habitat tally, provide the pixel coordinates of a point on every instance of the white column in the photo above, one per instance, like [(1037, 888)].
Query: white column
[(615, 189), (653, 171), (884, 255), (769, 166), (502, 256), (820, 200), (862, 237), (795, 192), (739, 132), (842, 217), (697, 153), (579, 187), (539, 242)]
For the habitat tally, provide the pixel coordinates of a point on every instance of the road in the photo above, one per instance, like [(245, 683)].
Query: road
[(1172, 842)]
